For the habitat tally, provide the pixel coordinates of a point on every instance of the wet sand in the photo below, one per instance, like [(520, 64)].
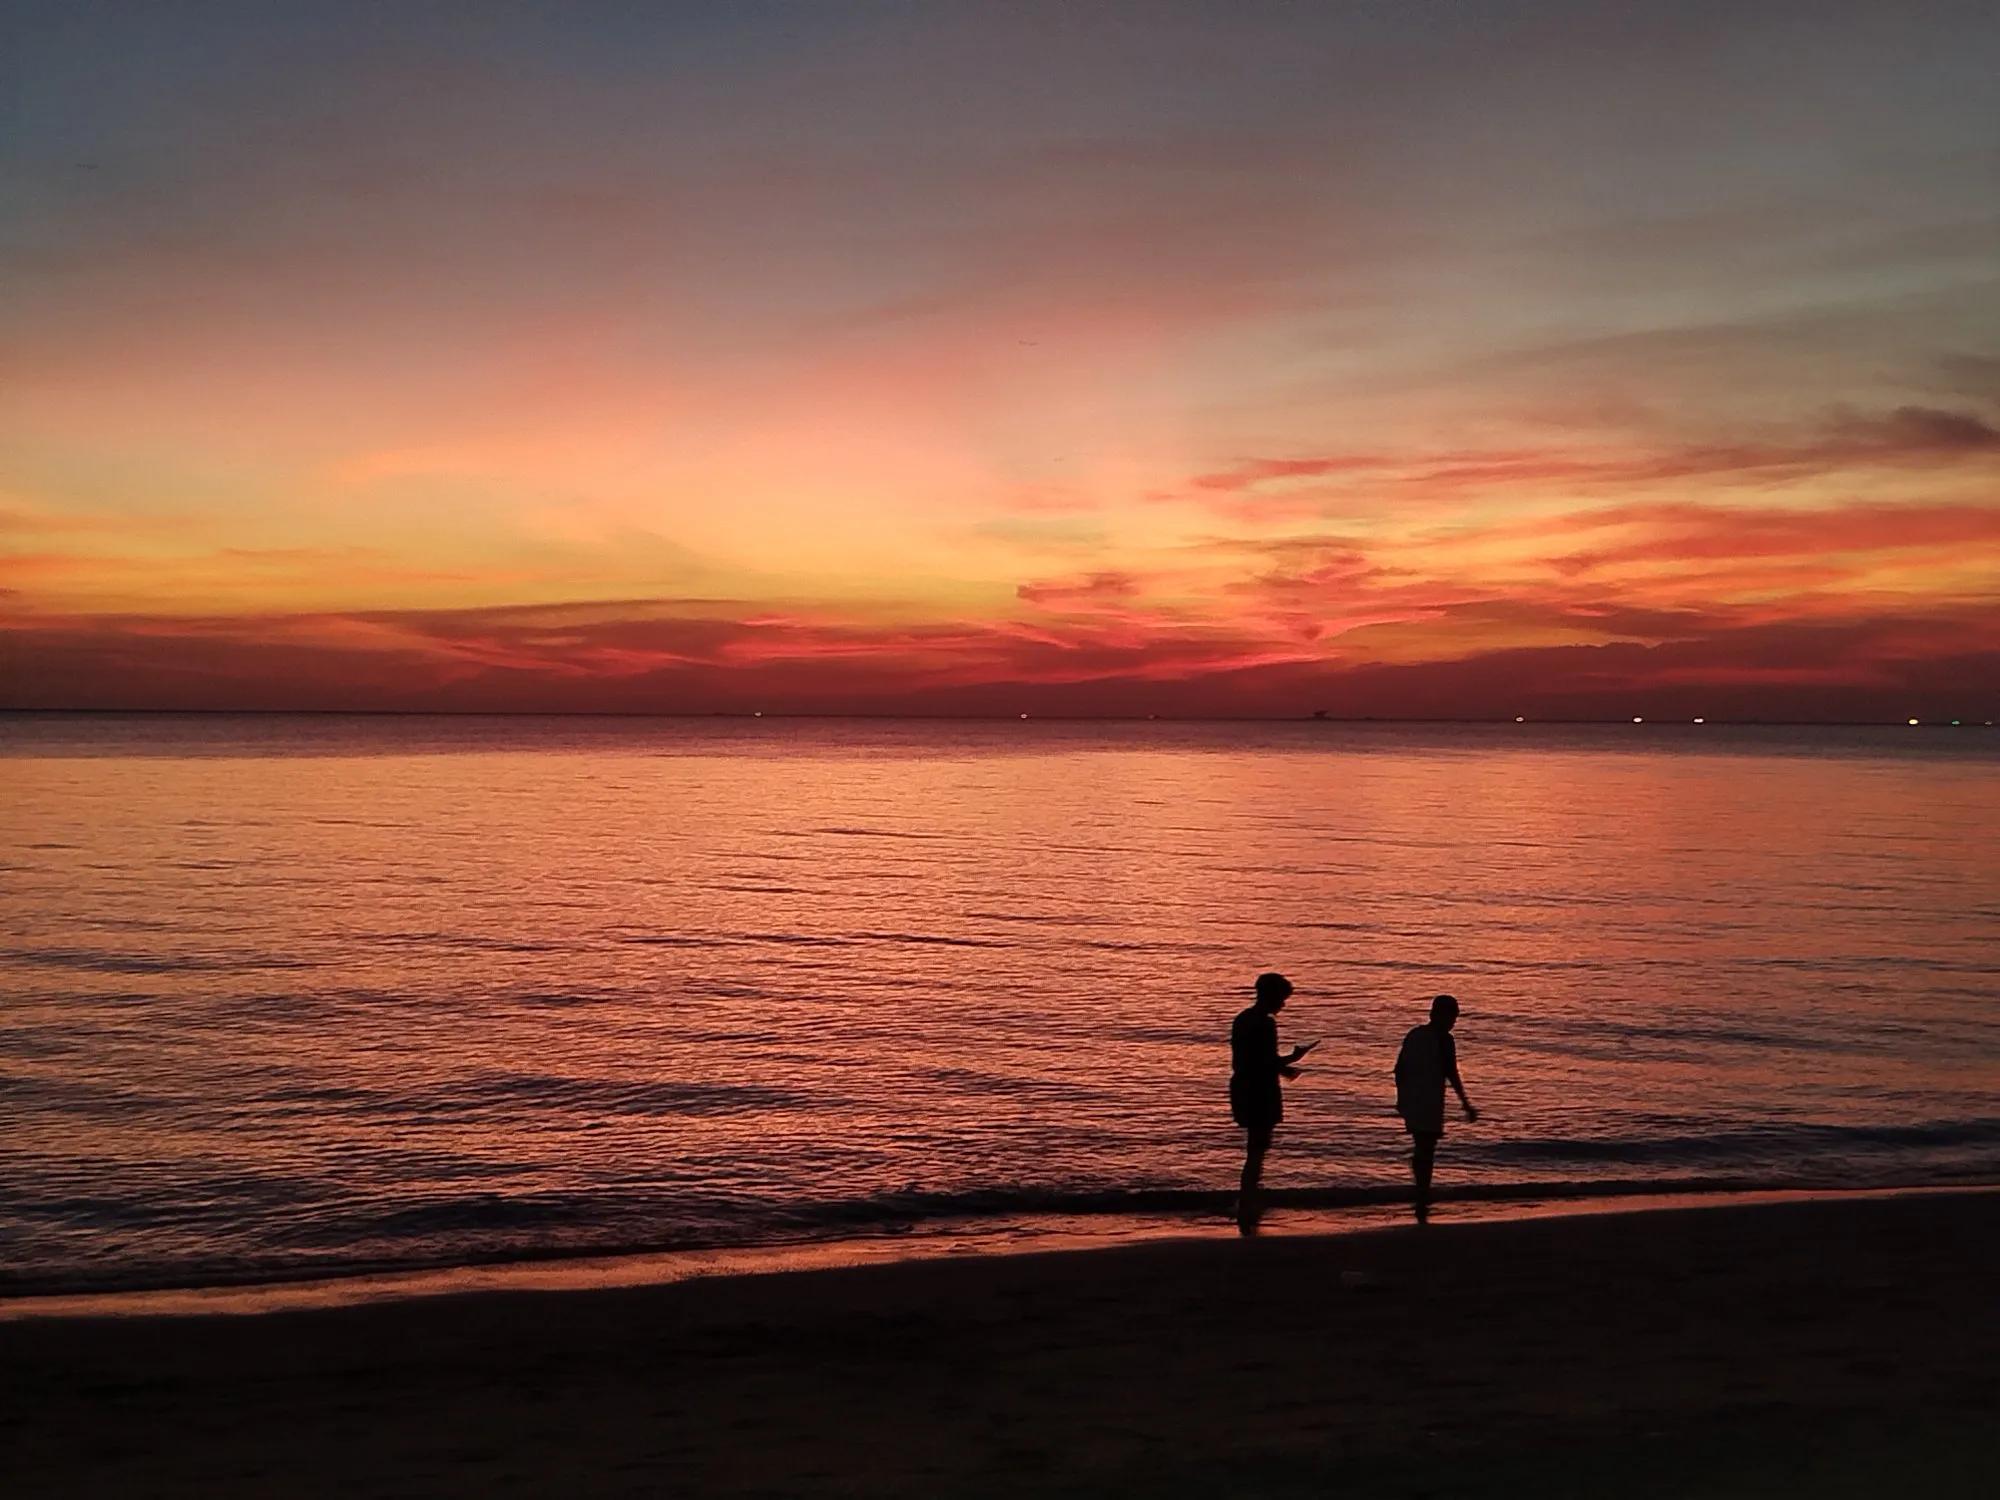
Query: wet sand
[(1844, 1347)]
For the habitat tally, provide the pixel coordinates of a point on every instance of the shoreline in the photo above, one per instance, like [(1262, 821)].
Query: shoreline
[(1293, 1217), (1839, 1347)]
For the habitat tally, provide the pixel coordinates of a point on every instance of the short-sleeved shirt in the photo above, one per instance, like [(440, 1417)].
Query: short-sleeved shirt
[(1428, 1058), (1255, 1097)]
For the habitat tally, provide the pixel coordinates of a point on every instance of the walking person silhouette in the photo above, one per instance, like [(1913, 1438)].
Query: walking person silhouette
[(1427, 1062), (1256, 1096)]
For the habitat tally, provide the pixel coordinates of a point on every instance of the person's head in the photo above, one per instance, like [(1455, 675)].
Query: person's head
[(1444, 1012), (1273, 990)]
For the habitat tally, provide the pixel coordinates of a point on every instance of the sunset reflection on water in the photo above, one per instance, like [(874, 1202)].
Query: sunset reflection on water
[(310, 992)]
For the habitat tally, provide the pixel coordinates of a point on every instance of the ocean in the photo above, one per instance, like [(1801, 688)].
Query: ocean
[(291, 996)]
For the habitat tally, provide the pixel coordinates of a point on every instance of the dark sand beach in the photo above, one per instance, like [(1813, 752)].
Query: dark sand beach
[(1842, 1347)]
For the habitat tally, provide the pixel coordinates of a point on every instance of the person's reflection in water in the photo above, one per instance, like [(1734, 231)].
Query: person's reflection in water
[(1428, 1061), (1256, 1098)]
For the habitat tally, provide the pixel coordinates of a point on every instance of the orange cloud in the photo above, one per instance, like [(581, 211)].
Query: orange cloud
[(1092, 588)]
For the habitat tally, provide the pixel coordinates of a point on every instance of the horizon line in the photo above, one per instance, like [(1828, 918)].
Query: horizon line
[(1631, 721)]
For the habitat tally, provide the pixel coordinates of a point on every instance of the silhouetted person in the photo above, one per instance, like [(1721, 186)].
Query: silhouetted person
[(1256, 1099), (1428, 1061)]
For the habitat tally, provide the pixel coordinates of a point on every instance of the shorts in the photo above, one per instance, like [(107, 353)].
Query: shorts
[(1256, 1107), (1426, 1118)]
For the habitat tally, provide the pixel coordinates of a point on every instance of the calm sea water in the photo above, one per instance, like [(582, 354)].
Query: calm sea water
[(288, 995)]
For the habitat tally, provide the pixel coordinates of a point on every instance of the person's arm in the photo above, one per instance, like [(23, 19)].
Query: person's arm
[(1458, 1087), (1281, 1062)]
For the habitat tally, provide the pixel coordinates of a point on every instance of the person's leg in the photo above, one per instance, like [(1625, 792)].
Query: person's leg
[(1257, 1144), (1423, 1156)]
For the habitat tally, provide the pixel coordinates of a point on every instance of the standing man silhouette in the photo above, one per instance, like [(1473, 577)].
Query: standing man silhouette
[(1428, 1061), (1256, 1098)]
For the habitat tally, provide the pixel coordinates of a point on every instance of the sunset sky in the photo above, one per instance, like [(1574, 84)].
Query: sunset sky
[(1414, 359)]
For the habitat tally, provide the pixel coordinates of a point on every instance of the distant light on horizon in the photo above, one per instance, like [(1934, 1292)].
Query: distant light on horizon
[(1913, 723), (1637, 720), (1519, 720), (1701, 721)]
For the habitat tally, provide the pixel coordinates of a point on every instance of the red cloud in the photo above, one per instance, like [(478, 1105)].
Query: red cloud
[(1844, 440), (1672, 532), (648, 658)]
